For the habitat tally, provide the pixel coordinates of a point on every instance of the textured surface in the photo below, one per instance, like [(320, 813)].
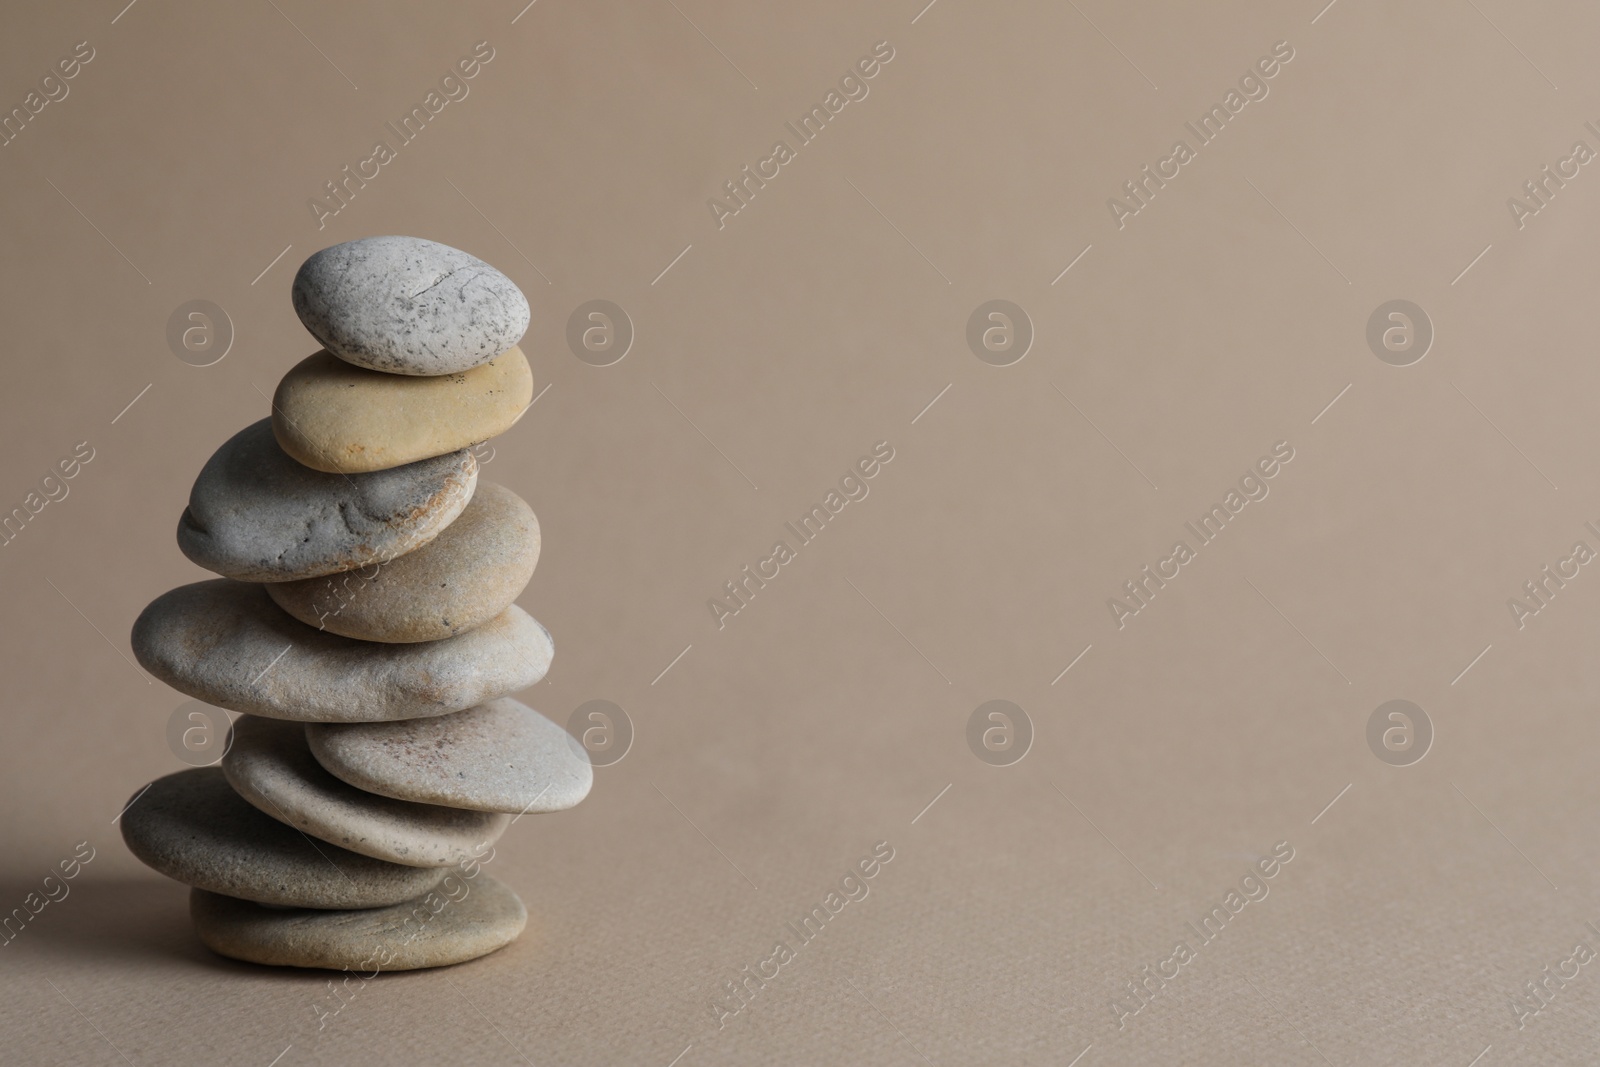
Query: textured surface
[(462, 919), (269, 765), (192, 826), (405, 305), (228, 644), (257, 515), (499, 756), (795, 336), (335, 417), (466, 576)]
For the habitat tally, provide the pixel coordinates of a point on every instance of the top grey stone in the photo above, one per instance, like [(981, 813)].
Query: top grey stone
[(406, 305), (258, 516)]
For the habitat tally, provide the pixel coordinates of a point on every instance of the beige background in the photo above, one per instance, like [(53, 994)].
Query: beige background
[(827, 715)]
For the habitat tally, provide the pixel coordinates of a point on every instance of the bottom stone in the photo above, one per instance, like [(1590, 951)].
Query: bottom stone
[(461, 920)]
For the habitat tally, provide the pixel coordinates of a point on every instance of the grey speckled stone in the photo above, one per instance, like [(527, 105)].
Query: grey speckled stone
[(269, 765), (227, 644), (479, 916), (406, 305), (500, 756), (256, 515), (193, 827), (463, 578)]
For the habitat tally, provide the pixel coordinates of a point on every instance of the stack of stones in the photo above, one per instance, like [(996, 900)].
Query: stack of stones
[(364, 624)]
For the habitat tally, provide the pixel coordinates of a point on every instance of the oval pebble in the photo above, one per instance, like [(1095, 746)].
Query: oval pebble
[(228, 644), (257, 515), (499, 756), (191, 826), (478, 916), (333, 417), (463, 578), (268, 764), (406, 305)]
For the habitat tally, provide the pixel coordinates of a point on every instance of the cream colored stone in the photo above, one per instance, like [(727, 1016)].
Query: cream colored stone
[(462, 919), (333, 416), (466, 576)]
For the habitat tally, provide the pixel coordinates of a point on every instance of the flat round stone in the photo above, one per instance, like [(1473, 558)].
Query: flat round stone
[(478, 916), (405, 305), (268, 764), (257, 515), (460, 580), (499, 756), (334, 417), (228, 644), (192, 826)]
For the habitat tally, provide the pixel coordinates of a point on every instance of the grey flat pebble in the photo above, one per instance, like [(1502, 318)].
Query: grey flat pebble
[(406, 305), (478, 916), (192, 826), (499, 756), (460, 580), (257, 515), (268, 764), (228, 644)]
